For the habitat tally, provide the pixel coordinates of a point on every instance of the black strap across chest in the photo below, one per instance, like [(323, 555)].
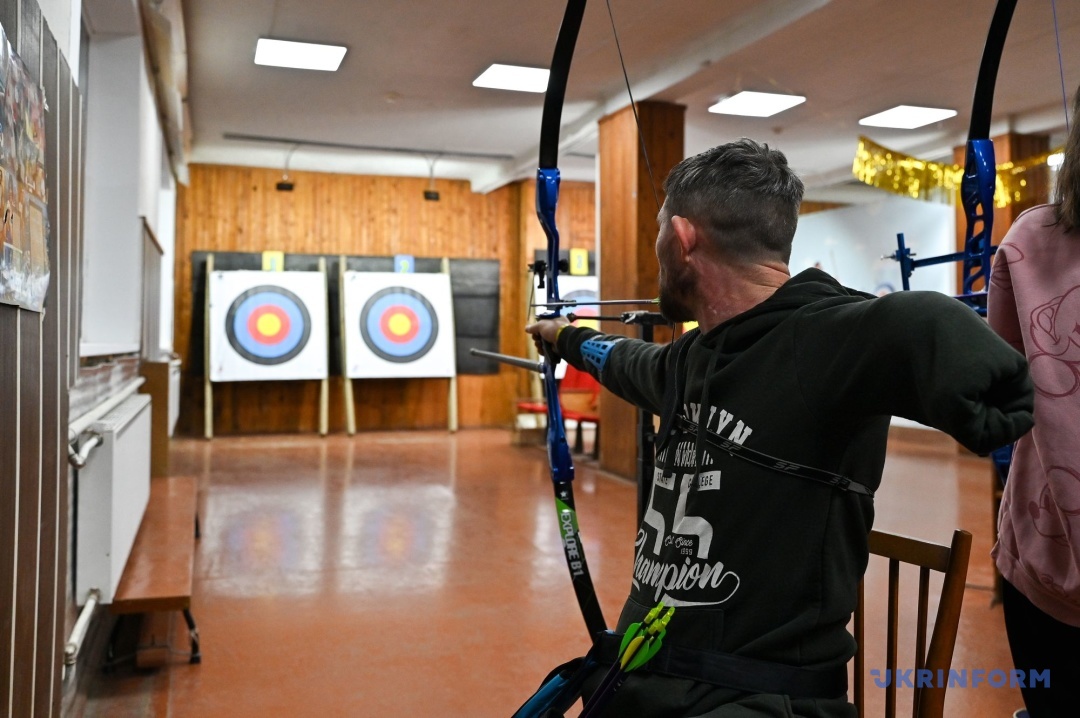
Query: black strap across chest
[(671, 422)]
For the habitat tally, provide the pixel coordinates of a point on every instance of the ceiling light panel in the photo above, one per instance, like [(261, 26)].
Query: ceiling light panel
[(907, 117), (513, 77), (756, 104), (299, 55)]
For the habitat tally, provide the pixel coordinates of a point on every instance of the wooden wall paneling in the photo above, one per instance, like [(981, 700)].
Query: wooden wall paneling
[(237, 209), (628, 266), (619, 168), (70, 211), (810, 207), (9, 18), (34, 375), (9, 481), (187, 240), (29, 513), (575, 216), (53, 462), (70, 245), (30, 37)]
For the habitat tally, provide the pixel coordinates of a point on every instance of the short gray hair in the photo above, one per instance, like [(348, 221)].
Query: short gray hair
[(744, 195)]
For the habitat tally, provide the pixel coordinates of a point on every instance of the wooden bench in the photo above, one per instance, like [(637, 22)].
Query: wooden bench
[(158, 575)]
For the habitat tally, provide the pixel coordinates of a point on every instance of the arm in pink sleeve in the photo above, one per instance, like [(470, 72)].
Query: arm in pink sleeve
[(1001, 303)]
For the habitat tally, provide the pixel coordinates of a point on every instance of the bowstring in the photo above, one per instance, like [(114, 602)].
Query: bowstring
[(633, 106), (1061, 65), (675, 329)]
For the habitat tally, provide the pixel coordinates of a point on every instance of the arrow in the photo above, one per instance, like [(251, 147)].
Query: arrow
[(639, 644)]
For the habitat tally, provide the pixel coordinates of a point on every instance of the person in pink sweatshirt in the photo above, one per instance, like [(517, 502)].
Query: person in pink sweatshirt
[(1034, 304)]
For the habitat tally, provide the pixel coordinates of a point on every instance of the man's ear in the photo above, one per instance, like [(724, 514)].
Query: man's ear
[(686, 233)]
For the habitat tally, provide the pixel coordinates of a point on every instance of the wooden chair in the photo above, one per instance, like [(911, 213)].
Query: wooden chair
[(927, 702)]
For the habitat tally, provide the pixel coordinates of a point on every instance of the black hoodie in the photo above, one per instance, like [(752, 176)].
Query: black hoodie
[(764, 564)]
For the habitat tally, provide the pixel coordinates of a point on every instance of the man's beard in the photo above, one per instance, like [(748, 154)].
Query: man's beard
[(675, 292)]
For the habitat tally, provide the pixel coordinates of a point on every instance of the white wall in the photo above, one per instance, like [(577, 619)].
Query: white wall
[(166, 235), (112, 278), (127, 180), (849, 243), (151, 147)]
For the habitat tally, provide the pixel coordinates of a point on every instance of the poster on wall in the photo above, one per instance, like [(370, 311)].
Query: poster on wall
[(24, 225), (398, 325), (267, 326)]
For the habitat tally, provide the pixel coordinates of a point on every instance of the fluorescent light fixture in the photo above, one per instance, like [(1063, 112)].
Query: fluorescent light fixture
[(1055, 160), (907, 117), (756, 104), (301, 55), (513, 77)]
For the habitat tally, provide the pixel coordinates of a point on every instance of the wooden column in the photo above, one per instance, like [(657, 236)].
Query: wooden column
[(628, 267)]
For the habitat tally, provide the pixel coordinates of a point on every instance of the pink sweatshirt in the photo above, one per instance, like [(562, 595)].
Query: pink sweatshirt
[(1034, 304)]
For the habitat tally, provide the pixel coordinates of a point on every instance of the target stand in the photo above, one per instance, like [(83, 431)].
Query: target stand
[(266, 326)]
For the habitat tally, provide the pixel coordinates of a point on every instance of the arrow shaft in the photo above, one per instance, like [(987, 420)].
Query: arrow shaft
[(537, 366)]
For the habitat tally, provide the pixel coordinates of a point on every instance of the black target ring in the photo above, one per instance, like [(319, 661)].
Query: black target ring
[(243, 314)]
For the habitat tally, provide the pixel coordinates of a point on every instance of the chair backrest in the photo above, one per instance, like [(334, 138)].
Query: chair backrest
[(927, 702), (579, 389)]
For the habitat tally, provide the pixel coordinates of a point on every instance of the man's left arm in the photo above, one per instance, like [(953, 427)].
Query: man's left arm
[(922, 356)]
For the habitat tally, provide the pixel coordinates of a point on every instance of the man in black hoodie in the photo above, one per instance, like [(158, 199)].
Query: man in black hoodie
[(764, 563)]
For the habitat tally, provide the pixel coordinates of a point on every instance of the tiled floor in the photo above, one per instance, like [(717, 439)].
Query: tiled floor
[(420, 574)]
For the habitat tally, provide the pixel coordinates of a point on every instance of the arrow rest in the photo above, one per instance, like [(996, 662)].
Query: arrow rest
[(539, 270)]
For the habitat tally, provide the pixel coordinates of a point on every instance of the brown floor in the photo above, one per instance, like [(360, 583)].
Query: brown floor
[(420, 574)]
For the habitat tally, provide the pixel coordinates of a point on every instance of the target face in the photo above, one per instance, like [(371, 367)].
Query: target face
[(399, 324), (581, 289), (268, 325)]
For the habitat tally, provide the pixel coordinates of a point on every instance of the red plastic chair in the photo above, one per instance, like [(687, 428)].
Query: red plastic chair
[(579, 394)]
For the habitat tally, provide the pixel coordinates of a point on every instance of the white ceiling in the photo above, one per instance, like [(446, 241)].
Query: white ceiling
[(406, 79)]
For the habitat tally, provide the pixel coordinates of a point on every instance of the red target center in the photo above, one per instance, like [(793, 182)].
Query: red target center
[(399, 324), (268, 324)]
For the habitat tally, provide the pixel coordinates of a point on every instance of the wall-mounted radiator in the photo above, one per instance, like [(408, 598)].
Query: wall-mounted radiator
[(113, 490)]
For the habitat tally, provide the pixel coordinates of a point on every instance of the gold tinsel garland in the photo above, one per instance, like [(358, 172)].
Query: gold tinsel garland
[(909, 176)]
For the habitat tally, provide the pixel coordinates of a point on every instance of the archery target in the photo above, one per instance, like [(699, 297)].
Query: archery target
[(267, 326), (398, 325)]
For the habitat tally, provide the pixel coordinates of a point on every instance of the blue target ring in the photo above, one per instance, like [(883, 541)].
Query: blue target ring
[(399, 324), (268, 325)]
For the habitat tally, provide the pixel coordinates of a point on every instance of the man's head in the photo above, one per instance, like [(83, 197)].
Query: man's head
[(741, 203), (743, 195)]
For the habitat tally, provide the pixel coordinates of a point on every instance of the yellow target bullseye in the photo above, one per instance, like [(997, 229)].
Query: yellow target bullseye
[(399, 325), (268, 324)]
